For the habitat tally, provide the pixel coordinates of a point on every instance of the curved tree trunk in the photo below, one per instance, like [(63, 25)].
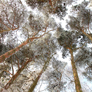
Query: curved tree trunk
[(75, 74)]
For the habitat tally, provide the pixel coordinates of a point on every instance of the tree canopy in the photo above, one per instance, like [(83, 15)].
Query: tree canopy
[(45, 46)]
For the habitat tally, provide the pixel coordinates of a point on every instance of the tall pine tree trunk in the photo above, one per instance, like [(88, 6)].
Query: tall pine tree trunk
[(75, 74), (31, 89)]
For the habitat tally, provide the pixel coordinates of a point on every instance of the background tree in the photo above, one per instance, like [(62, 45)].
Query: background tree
[(69, 41), (82, 19)]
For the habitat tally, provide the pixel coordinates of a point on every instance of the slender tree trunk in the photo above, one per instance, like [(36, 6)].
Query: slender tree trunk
[(31, 89), (75, 74), (16, 75)]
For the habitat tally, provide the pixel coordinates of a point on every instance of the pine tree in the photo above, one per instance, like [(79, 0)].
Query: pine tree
[(69, 41)]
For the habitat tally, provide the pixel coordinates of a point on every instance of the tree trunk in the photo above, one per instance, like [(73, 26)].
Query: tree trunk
[(75, 74), (11, 52), (16, 75), (31, 89)]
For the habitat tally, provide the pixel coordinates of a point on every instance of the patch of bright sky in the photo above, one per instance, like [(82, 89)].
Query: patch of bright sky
[(28, 7), (41, 87), (18, 34)]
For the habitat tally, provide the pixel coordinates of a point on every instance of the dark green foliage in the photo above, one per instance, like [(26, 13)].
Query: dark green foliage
[(83, 18), (36, 3), (84, 56), (60, 11), (54, 7), (3, 69), (88, 73), (54, 79), (56, 87), (58, 65), (80, 6), (36, 24), (65, 52), (73, 40), (69, 39), (74, 23), (1, 47)]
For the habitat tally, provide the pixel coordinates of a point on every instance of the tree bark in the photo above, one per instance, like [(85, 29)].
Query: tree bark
[(75, 74), (11, 52), (16, 75), (31, 89)]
